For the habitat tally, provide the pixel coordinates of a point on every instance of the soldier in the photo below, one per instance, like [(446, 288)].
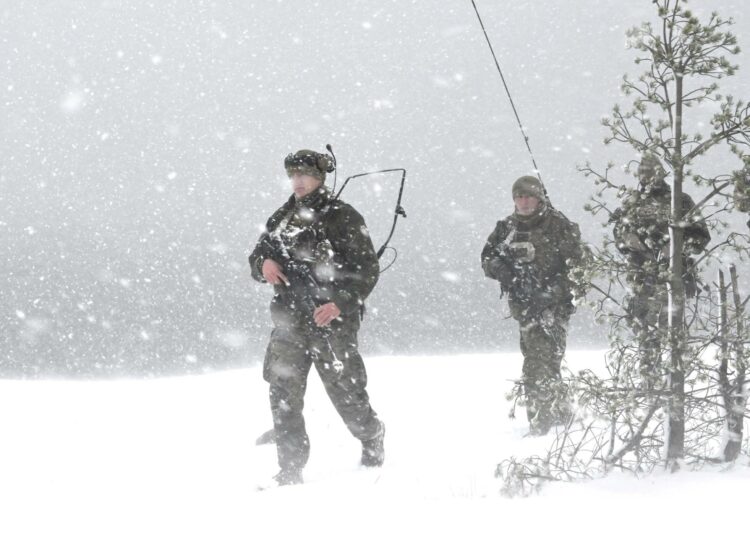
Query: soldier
[(741, 181), (641, 234), (317, 253), (531, 253)]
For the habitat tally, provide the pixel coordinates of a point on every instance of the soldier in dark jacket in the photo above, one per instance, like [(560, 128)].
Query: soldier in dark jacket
[(317, 253), (741, 179), (531, 253), (641, 233)]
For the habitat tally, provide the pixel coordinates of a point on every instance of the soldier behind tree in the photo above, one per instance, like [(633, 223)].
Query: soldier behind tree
[(328, 238), (741, 179), (641, 234), (531, 253)]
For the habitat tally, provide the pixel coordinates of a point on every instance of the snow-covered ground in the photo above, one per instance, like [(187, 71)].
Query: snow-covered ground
[(177, 456)]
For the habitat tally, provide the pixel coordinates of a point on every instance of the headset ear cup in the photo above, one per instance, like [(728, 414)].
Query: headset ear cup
[(325, 164)]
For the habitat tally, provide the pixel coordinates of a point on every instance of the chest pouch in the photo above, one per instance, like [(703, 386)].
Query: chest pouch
[(523, 252)]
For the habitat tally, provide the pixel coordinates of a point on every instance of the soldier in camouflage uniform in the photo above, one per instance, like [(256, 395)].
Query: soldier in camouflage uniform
[(317, 315), (741, 181), (641, 232), (531, 253)]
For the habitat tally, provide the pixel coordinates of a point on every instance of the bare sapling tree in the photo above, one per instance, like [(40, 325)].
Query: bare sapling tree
[(674, 379)]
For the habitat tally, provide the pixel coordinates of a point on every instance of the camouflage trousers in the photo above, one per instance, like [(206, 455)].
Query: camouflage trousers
[(291, 353), (647, 310), (543, 343)]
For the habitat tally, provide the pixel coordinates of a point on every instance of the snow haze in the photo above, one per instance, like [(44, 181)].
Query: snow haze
[(141, 149)]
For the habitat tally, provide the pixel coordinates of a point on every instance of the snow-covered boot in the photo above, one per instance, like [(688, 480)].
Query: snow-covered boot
[(288, 477), (285, 477), (266, 438), (373, 452)]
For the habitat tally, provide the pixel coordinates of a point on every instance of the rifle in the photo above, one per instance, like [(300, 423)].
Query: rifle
[(304, 298), (517, 257), (305, 287), (526, 283)]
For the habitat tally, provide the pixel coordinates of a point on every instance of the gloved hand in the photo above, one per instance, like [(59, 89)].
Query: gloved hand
[(500, 269)]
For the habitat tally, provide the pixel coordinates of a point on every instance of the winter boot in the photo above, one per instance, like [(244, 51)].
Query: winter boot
[(288, 477), (540, 421), (538, 430), (373, 453), (266, 438)]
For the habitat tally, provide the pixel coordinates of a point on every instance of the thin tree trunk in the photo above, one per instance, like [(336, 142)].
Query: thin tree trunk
[(676, 403), (735, 397), (724, 384)]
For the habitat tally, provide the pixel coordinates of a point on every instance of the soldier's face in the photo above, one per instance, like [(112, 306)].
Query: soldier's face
[(526, 205), (303, 185)]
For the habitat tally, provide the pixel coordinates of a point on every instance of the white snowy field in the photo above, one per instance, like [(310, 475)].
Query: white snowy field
[(177, 456)]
